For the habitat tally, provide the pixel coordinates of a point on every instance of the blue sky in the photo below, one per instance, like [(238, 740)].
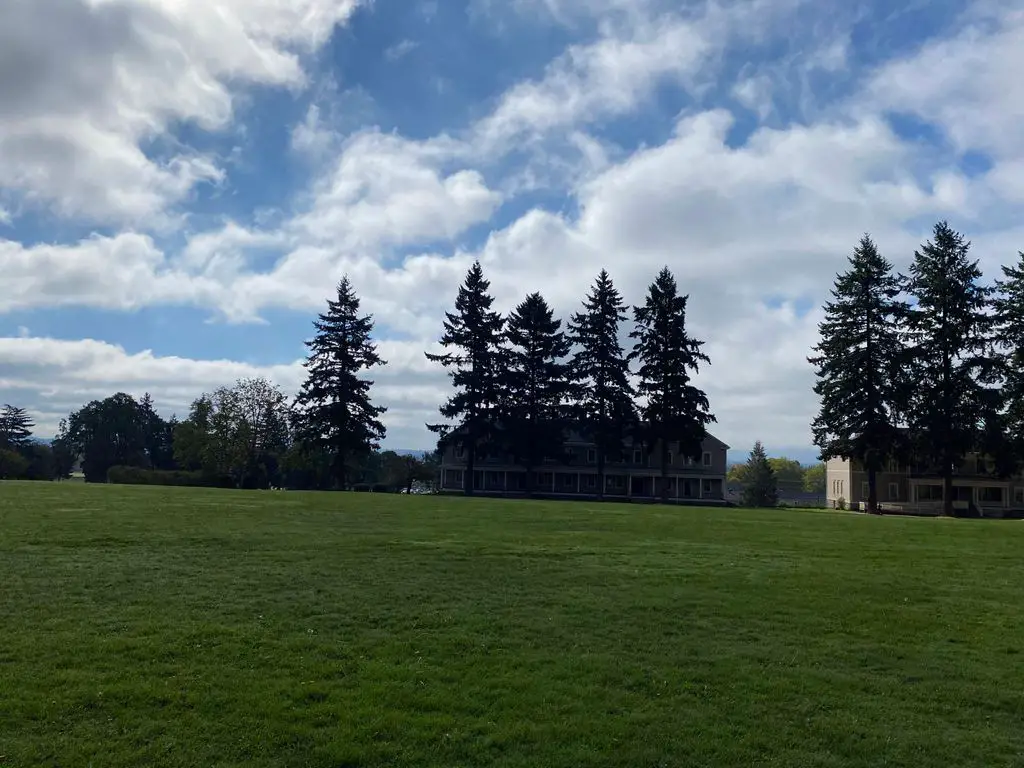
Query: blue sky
[(182, 184)]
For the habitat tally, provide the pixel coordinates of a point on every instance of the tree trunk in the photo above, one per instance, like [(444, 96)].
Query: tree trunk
[(947, 489), (872, 490), (468, 480), (664, 472)]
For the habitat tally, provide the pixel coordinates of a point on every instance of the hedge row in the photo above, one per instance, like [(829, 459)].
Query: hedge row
[(139, 476)]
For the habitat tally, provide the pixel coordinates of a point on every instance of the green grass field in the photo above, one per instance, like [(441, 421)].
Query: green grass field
[(172, 627)]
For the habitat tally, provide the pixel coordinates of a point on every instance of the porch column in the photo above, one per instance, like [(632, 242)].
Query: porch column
[(506, 481), (554, 475), (629, 484), (579, 482)]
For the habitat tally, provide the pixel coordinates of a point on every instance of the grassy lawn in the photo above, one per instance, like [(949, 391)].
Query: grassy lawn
[(172, 627)]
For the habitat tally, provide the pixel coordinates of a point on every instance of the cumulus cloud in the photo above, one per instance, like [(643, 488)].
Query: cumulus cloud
[(84, 84), (754, 227)]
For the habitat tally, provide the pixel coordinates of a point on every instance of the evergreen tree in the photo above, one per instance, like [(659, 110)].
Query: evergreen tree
[(334, 411), (15, 428), (158, 435), (477, 370), (675, 410), (859, 367), (949, 341), (599, 371), (761, 486), (1004, 425), (538, 384)]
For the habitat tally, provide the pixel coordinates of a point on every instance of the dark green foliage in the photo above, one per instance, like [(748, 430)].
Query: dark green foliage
[(177, 477), (859, 361), (13, 465), (333, 411), (599, 371), (15, 428), (538, 386), (476, 366), (158, 435), (1004, 422), (240, 431), (674, 408), (107, 433), (949, 335), (760, 484)]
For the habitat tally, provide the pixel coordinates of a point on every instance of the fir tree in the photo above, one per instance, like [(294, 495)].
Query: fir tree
[(761, 487), (1004, 417), (476, 368), (334, 413), (538, 385), (675, 410), (15, 428), (949, 340), (859, 367), (600, 373)]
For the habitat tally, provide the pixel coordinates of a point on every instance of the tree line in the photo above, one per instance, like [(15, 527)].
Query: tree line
[(521, 382), (247, 435), (790, 475), (923, 367)]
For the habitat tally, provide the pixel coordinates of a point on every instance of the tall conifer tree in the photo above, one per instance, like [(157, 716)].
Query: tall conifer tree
[(1004, 433), (538, 384), (335, 414), (949, 345), (859, 367), (603, 396), (675, 410), (476, 367)]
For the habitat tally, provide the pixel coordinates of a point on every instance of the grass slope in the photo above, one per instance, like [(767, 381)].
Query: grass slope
[(173, 627)]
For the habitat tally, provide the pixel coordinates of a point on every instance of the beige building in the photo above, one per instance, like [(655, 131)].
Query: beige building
[(635, 477), (976, 488)]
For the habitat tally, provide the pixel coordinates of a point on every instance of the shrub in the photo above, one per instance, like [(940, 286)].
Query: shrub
[(840, 503), (174, 477)]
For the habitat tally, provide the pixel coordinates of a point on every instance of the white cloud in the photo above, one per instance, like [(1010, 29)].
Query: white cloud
[(400, 50), (85, 84), (64, 375), (752, 230), (6, 217)]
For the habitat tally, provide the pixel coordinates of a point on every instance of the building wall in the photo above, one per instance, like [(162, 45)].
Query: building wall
[(635, 475), (906, 485)]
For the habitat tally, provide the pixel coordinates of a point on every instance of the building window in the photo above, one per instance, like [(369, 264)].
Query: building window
[(591, 481), (638, 457), (929, 493), (569, 481), (1018, 495), (864, 491), (990, 495), (668, 458), (460, 452), (893, 466), (613, 481), (591, 456), (894, 491), (707, 459)]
